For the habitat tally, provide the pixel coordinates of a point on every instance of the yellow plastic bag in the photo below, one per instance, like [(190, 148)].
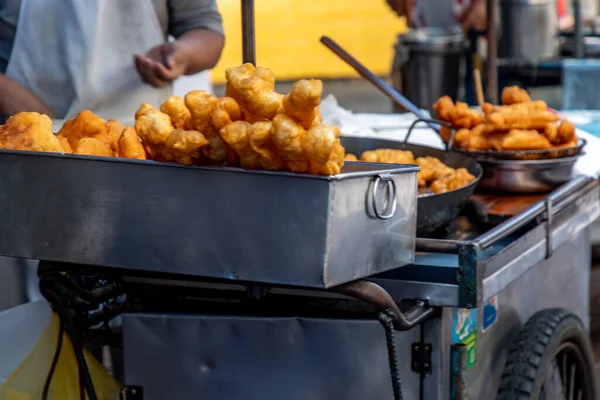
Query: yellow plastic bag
[(27, 381)]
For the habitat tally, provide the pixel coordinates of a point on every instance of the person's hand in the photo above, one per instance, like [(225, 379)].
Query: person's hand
[(475, 16), (403, 8), (14, 98), (162, 64)]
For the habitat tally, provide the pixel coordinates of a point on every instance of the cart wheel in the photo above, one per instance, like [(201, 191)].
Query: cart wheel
[(551, 358)]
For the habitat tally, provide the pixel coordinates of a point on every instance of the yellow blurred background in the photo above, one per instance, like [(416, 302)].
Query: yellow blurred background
[(288, 32)]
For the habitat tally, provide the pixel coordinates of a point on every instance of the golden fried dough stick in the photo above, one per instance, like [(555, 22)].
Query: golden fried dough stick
[(90, 146), (85, 124), (464, 117), (505, 121), (64, 143), (513, 95), (226, 111), (431, 169), (237, 136), (261, 143), (181, 117), (154, 128), (526, 107), (443, 107), (130, 145), (287, 136), (144, 108), (566, 132), (29, 131), (324, 149), (115, 130), (254, 91), (201, 105), (518, 139), (184, 146), (388, 156), (302, 102), (452, 181), (350, 157)]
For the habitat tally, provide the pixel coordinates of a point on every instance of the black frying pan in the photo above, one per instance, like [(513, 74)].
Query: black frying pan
[(435, 211)]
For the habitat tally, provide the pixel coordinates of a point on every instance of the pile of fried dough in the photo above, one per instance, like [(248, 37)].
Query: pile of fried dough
[(253, 127), (519, 124), (434, 175)]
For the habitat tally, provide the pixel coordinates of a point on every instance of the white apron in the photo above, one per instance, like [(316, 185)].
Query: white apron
[(78, 54)]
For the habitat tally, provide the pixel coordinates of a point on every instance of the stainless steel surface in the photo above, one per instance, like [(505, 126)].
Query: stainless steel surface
[(248, 35), (560, 282), (517, 256), (529, 29), (214, 222), (528, 176), (228, 357), (429, 63)]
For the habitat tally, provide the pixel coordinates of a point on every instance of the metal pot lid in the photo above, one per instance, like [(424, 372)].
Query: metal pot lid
[(433, 36)]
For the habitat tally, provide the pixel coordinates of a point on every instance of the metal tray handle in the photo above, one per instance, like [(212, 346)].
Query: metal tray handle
[(390, 202)]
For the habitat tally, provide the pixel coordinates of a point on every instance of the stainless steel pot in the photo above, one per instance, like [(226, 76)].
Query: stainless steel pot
[(529, 29), (429, 63)]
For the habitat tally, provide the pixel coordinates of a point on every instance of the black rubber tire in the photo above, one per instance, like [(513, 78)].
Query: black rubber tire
[(534, 350)]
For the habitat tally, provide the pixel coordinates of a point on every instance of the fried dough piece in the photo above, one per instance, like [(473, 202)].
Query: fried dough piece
[(324, 149), (184, 146), (518, 139), (464, 117), (144, 108), (130, 145), (85, 125), (201, 105), (388, 156), (514, 95), (505, 121), (350, 157), (254, 90), (64, 143), (302, 102), (29, 131), (530, 106), (154, 128), (452, 181), (226, 111), (260, 141), (443, 107), (115, 130), (431, 169), (565, 133), (287, 136), (237, 136), (445, 133), (181, 117), (90, 146)]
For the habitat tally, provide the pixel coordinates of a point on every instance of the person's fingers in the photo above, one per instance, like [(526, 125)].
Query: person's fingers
[(161, 72), (146, 69)]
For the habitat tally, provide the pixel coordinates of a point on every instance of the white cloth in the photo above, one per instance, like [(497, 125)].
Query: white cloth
[(78, 54)]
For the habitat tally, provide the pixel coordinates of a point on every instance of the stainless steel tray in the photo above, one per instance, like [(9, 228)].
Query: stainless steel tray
[(227, 223), (527, 176)]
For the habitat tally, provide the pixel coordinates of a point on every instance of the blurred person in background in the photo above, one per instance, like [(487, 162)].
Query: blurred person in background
[(469, 14), (59, 57)]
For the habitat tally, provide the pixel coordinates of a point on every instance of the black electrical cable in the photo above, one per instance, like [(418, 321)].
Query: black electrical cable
[(85, 380), (387, 321), (54, 362)]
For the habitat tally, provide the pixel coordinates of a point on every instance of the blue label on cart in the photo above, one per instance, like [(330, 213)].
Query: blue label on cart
[(490, 313), (464, 330)]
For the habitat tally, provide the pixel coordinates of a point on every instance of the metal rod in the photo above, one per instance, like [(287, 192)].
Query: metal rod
[(518, 221), (438, 245), (248, 37), (577, 29), (458, 365), (375, 80), (492, 56)]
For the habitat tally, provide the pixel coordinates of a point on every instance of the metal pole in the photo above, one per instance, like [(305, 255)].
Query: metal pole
[(248, 39), (492, 57), (577, 29)]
